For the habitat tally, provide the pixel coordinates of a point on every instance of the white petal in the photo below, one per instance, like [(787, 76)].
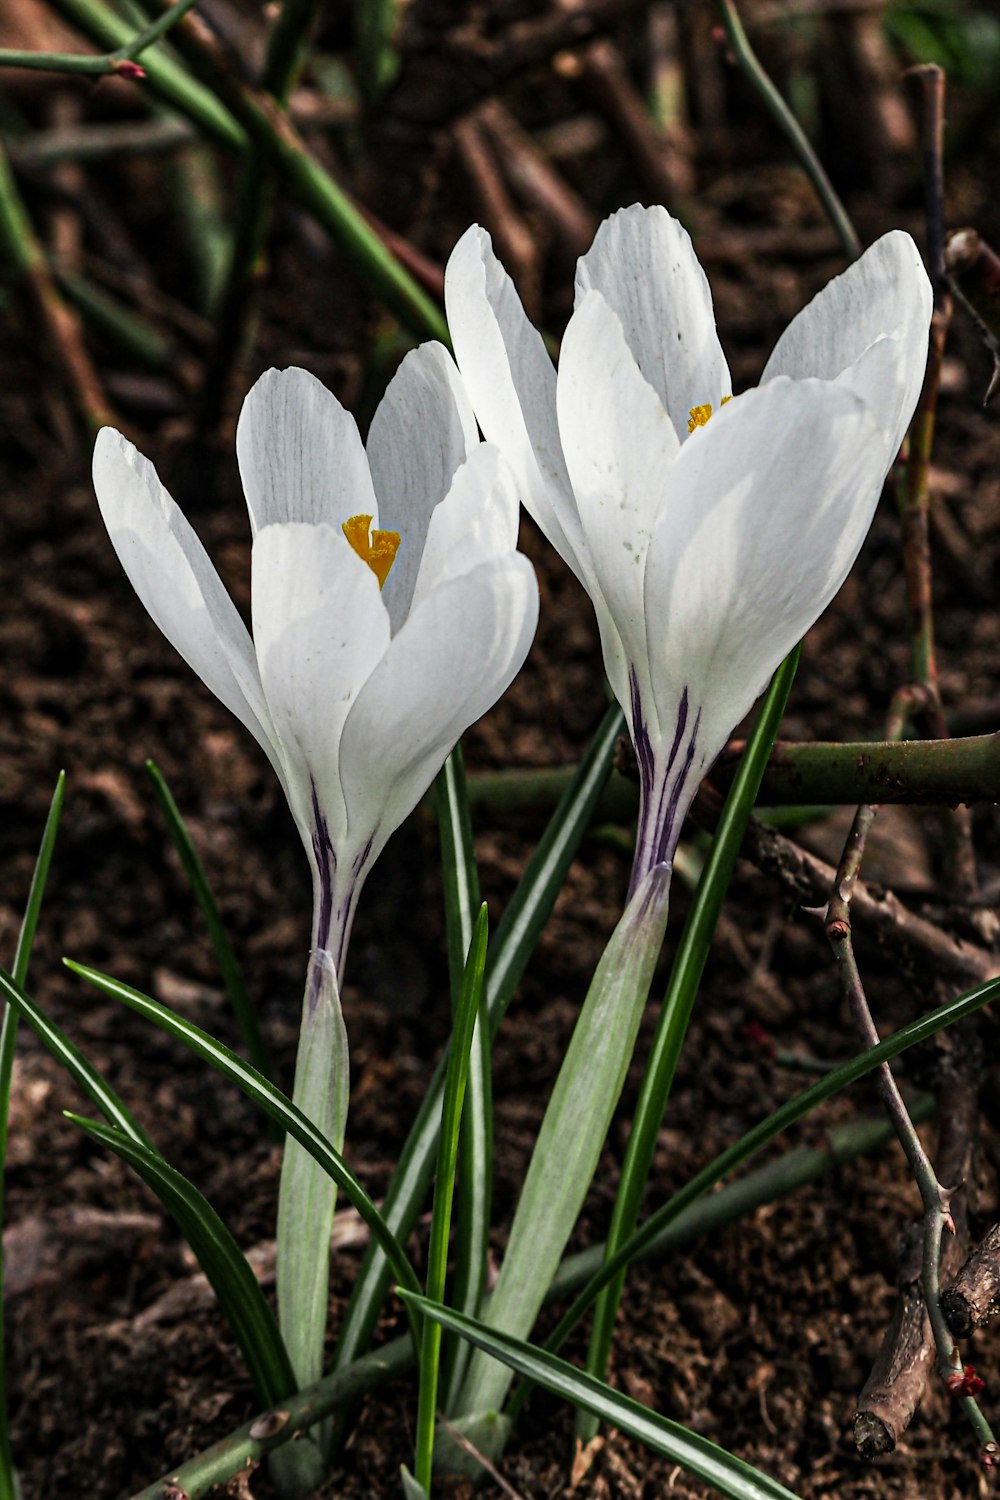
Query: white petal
[(477, 520), (423, 430), (620, 445), (511, 383), (884, 294), (453, 658), (643, 264), (171, 572), (300, 455), (320, 628), (767, 508)]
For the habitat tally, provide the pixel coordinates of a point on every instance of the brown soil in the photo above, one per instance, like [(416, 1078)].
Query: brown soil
[(759, 1337)]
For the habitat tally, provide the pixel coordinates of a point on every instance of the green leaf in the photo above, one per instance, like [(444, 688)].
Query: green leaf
[(513, 943), (412, 1489), (80, 1070), (375, 24), (307, 1196), (229, 964), (572, 1133), (475, 1176), (723, 1471), (227, 1269), (675, 1014), (468, 1010), (270, 1099), (9, 1488)]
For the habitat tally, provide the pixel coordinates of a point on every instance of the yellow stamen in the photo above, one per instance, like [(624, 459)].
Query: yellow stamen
[(377, 548), (700, 414)]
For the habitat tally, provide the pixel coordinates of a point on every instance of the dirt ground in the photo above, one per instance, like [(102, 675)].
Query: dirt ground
[(759, 1336)]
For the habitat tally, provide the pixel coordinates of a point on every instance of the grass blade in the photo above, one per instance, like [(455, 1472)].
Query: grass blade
[(80, 1070), (682, 990), (237, 1288), (513, 943), (467, 1011), (270, 1099), (727, 1474), (8, 1043), (475, 1177), (229, 964)]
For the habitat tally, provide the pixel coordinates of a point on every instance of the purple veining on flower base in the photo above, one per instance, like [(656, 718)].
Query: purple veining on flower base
[(326, 869), (662, 795)]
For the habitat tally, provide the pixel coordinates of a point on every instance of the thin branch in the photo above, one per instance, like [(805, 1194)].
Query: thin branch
[(936, 1198), (121, 61), (974, 1295), (286, 49), (973, 269)]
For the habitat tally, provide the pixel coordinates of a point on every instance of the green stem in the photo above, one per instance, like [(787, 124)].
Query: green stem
[(117, 61), (286, 50), (931, 773), (675, 1014), (790, 127), (164, 76)]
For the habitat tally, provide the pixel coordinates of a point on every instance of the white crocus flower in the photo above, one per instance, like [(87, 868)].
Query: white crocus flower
[(710, 530), (390, 610)]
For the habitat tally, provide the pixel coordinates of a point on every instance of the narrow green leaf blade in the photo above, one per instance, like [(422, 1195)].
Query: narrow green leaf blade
[(467, 1013), (8, 1044), (227, 1269), (475, 1178), (39, 879), (225, 957), (270, 1099), (727, 1474), (73, 1060)]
